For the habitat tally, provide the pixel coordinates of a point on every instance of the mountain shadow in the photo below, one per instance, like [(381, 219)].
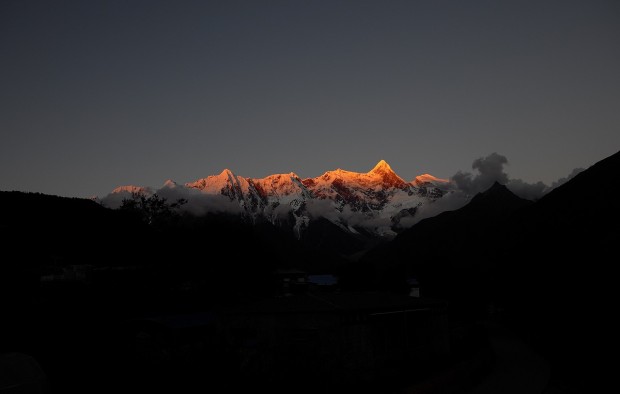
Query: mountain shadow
[(559, 272), (549, 266), (451, 254)]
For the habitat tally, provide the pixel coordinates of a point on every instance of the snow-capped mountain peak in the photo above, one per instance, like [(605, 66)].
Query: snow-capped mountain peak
[(170, 184), (387, 175), (374, 202), (214, 184), (131, 189), (382, 167), (423, 179)]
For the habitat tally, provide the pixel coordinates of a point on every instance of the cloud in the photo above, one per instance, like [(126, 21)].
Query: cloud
[(115, 199), (529, 191), (361, 219), (282, 211), (450, 201), (490, 170), (198, 203), (464, 185), (570, 176), (325, 208)]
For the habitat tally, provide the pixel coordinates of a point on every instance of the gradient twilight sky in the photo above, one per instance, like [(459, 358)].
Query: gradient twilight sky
[(97, 94)]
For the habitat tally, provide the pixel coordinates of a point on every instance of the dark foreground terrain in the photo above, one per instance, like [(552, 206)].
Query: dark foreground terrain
[(99, 300), (100, 331)]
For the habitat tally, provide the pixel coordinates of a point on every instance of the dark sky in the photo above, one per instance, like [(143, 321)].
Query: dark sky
[(97, 94)]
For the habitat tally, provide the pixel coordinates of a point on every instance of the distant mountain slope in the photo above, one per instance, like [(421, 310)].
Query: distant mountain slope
[(43, 229), (371, 203), (447, 251), (550, 265), (572, 233), (451, 233), (559, 273), (587, 204)]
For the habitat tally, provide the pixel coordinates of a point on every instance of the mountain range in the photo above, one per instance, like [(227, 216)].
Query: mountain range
[(545, 267), (373, 203)]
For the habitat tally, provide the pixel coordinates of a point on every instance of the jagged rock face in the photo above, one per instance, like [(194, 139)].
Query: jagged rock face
[(373, 201)]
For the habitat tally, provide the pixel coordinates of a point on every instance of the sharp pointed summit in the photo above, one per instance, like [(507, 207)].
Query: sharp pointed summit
[(170, 184), (495, 200), (350, 200), (388, 177), (382, 166)]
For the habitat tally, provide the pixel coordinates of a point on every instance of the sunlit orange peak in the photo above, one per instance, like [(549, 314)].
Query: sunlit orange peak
[(429, 178), (130, 189), (381, 166)]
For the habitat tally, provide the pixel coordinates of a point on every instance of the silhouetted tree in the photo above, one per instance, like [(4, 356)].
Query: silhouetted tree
[(153, 210)]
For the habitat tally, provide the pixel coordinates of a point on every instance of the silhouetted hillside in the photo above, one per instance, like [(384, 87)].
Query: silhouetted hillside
[(560, 269), (451, 253), (46, 234), (549, 265), (44, 230)]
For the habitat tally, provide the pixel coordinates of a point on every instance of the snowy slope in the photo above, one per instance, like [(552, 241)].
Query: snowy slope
[(370, 202)]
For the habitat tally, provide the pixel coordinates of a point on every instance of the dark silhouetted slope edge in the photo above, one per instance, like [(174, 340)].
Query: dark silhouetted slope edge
[(560, 272), (451, 234), (550, 265), (134, 270), (448, 253), (567, 240), (222, 254), (37, 228)]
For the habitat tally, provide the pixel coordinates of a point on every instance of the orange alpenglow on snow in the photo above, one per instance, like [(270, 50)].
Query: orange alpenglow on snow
[(375, 200), (132, 189), (380, 177), (429, 178), (381, 166)]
